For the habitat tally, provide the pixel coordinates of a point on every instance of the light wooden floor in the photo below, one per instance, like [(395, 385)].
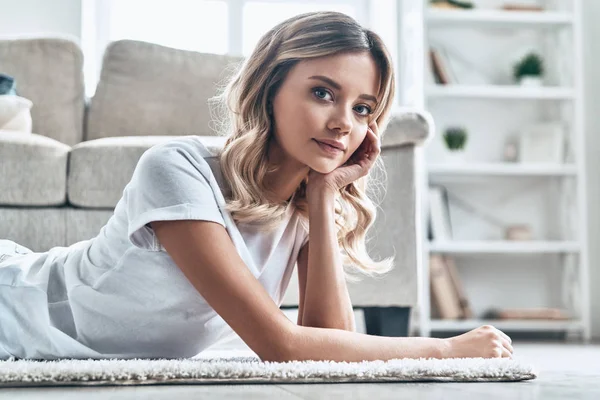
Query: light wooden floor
[(566, 371)]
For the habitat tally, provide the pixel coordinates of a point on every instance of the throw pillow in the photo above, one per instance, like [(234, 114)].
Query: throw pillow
[(15, 114), (7, 85)]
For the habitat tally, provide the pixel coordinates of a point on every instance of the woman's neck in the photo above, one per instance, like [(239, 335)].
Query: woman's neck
[(283, 183)]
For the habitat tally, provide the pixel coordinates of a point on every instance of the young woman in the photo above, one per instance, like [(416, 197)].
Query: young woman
[(202, 245)]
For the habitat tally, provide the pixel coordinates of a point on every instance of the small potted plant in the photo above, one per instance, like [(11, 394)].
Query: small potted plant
[(529, 70), (455, 139)]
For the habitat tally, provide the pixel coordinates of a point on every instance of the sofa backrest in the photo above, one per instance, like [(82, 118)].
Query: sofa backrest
[(49, 72), (148, 89)]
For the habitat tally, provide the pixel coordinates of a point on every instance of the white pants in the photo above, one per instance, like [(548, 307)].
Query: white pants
[(8, 248)]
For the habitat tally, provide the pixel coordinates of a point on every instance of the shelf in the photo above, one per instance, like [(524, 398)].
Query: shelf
[(502, 247), (499, 18), (502, 169), (491, 97), (501, 92), (505, 325)]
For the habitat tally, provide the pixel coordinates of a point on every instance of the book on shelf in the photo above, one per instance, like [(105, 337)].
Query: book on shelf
[(440, 75), (540, 313), (447, 294), (458, 287), (521, 7), (442, 67), (439, 214)]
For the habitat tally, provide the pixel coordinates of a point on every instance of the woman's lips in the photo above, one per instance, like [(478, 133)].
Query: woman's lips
[(327, 149)]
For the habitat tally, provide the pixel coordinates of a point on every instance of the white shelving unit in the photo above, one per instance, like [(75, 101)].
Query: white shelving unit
[(559, 246)]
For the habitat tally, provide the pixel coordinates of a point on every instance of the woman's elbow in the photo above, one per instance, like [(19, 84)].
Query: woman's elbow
[(283, 347)]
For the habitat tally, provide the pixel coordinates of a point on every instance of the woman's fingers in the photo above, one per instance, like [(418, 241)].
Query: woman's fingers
[(374, 127), (375, 130), (374, 141), (507, 345), (505, 336), (506, 353)]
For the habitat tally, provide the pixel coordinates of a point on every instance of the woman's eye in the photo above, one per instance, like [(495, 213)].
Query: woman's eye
[(367, 110), (321, 93)]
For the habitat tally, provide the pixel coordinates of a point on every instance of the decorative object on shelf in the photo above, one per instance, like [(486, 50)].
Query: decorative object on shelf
[(439, 214), (455, 138), (449, 65), (488, 214), (511, 150), (542, 143), (518, 233), (451, 4), (542, 313), (529, 70), (521, 7)]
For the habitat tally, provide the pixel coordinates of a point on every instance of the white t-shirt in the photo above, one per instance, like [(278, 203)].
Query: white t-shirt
[(120, 294)]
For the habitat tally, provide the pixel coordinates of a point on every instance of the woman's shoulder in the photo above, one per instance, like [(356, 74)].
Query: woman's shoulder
[(205, 147), (182, 157)]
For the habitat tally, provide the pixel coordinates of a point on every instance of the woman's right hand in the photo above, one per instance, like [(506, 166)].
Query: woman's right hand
[(485, 341)]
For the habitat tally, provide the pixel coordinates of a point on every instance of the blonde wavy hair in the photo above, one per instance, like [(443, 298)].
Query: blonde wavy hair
[(247, 124)]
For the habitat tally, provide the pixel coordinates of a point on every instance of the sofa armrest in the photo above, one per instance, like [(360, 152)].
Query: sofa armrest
[(408, 126)]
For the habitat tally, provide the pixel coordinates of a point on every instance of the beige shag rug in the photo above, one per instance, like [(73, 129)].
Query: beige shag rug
[(244, 369)]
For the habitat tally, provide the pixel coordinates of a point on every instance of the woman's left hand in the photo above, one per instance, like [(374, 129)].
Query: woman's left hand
[(357, 166)]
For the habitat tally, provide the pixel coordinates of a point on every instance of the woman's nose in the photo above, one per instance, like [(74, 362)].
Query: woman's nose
[(341, 120)]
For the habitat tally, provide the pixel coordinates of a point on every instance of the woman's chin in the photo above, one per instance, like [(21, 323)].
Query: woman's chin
[(323, 167)]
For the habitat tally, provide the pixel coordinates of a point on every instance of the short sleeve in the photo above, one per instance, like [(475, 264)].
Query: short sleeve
[(304, 241), (169, 183), (304, 235)]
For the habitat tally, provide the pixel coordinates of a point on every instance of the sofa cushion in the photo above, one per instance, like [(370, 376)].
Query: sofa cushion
[(99, 169), (84, 224), (49, 72), (33, 170), (38, 229), (148, 89)]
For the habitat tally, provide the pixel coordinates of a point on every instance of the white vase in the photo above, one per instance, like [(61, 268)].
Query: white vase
[(531, 81), (455, 157)]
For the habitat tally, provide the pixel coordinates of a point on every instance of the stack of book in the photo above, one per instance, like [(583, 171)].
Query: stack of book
[(450, 301)]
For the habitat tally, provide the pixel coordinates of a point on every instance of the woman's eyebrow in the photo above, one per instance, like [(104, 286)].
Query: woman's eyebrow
[(337, 86)]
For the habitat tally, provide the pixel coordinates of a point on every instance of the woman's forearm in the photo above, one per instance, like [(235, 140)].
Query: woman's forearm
[(309, 343), (327, 302)]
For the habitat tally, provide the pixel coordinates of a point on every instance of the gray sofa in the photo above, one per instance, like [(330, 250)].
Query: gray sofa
[(60, 184)]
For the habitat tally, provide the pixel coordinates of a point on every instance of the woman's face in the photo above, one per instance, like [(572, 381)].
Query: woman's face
[(328, 99)]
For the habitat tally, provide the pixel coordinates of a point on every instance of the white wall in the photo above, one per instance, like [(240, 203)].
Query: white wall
[(591, 31), (32, 17)]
